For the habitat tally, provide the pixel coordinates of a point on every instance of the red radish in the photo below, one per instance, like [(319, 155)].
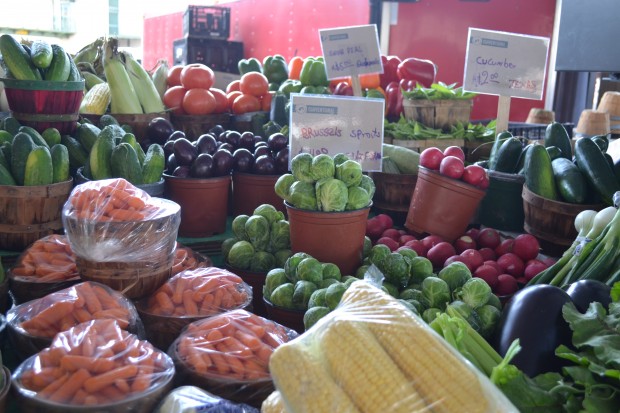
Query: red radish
[(417, 246), (457, 258), (474, 257), (440, 253), (510, 263), (391, 233), (464, 242), (526, 246), (391, 243), (521, 280), (494, 265), (473, 233), (473, 175), (549, 261), (484, 183), (504, 247), (454, 151), (451, 167), (403, 232), (386, 221), (506, 285), (533, 268), (374, 228), (431, 158), (431, 240), (489, 238), (487, 254), (488, 273), (403, 239)]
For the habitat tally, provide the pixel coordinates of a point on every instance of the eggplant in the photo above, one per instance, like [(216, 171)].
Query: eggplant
[(258, 139), (534, 316), (216, 130), (264, 165), (182, 171), (281, 159), (177, 134), (202, 167), (171, 163), (584, 292), (262, 150), (277, 142), (206, 143), (233, 137), (247, 141), (159, 130), (227, 146), (168, 148), (184, 151), (243, 160), (222, 162), (221, 137)]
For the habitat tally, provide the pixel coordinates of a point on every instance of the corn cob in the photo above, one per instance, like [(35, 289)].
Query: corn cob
[(273, 404), (96, 100), (89, 52), (159, 77), (123, 96), (143, 85)]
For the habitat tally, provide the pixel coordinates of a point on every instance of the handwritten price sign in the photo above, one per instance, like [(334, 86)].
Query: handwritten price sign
[(505, 64), (351, 51)]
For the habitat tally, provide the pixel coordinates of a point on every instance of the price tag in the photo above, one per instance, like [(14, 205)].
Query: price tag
[(338, 124), (505, 64), (351, 51)]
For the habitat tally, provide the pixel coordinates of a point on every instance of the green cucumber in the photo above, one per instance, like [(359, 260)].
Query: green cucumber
[(556, 135), (601, 141), (100, 154), (60, 163), (554, 152), (572, 185), (591, 161), (74, 73), (154, 164), (11, 125), (5, 176), (5, 148), (106, 120), (4, 162), (39, 168), (17, 59), (130, 138), (521, 163), (125, 164), (21, 148), (507, 157), (60, 67), (499, 141), (87, 134), (407, 160), (77, 154), (36, 136), (5, 136), (51, 136), (41, 54), (539, 173)]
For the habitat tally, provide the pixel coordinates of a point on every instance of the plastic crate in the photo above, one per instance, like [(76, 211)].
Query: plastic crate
[(219, 55), (531, 131), (204, 21)]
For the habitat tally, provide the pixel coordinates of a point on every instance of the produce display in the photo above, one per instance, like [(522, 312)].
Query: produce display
[(47, 260)]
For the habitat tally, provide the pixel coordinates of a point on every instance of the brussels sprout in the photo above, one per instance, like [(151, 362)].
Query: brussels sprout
[(227, 245), (467, 313), (378, 254), (301, 165), (282, 256), (240, 255), (282, 186), (322, 167), (475, 292), (282, 296), (310, 269), (301, 294), (430, 314), (456, 275), (395, 268), (262, 261), (331, 195), (280, 216), (290, 266), (367, 246), (368, 184), (331, 270), (327, 282), (411, 294), (410, 305), (489, 317), (390, 288), (340, 158), (409, 253), (269, 212), (495, 302), (421, 268), (257, 229), (280, 236), (273, 279), (317, 299), (361, 271), (333, 294), (303, 195), (349, 172), (348, 278), (358, 198), (313, 315), (349, 281), (436, 292), (238, 227)]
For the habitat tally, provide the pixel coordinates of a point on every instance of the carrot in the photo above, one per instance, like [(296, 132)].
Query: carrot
[(189, 303), (51, 315), (92, 301), (79, 397), (101, 381), (71, 386), (142, 382), (97, 365), (53, 386)]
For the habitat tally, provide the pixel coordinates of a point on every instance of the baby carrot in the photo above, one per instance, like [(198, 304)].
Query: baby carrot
[(188, 302), (50, 316), (71, 386), (92, 301), (101, 381)]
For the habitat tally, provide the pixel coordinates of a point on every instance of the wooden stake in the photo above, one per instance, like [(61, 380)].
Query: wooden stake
[(356, 85), (503, 113)]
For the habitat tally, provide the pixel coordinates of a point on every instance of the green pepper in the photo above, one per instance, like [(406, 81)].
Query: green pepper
[(275, 68), (313, 72), (290, 86), (315, 90), (249, 65), (373, 93)]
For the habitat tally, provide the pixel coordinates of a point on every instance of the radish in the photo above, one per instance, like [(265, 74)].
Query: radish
[(526, 246), (474, 257), (431, 240), (391, 233), (474, 175), (489, 238), (506, 285), (454, 151), (438, 254), (374, 228), (452, 167), (457, 258), (494, 265), (417, 246), (487, 254), (431, 158), (488, 273), (549, 261), (510, 263), (504, 247), (464, 242), (484, 183), (403, 239), (533, 268), (473, 233), (386, 221), (391, 243)]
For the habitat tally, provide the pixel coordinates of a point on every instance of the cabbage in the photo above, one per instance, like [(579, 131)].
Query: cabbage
[(421, 268), (395, 268), (456, 275), (310, 269), (282, 256), (282, 296), (331, 270), (475, 292), (301, 166), (301, 294), (274, 278), (238, 227), (436, 292), (368, 184), (313, 315), (269, 212), (280, 236), (262, 261), (340, 158), (257, 230), (349, 172), (227, 245), (290, 266)]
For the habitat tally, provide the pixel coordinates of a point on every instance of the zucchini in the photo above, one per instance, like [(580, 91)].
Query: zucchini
[(74, 73), (77, 155), (556, 135), (125, 164), (483, 163), (596, 169), (41, 54), (5, 176), (554, 152), (87, 134), (499, 140), (100, 155), (407, 160), (572, 185), (11, 125), (507, 157), (154, 164), (521, 162), (539, 173), (17, 59), (39, 168), (5, 136), (388, 166), (36, 136), (5, 148), (106, 120), (21, 148), (4, 162), (602, 142), (60, 67), (130, 138), (60, 163), (51, 136)]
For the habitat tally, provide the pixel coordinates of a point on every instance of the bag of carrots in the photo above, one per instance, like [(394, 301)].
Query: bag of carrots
[(187, 259), (95, 364), (48, 260)]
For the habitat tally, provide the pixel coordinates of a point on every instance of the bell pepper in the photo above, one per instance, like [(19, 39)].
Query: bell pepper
[(374, 93), (393, 101), (290, 86), (343, 89), (315, 90), (275, 68), (313, 72), (294, 67), (249, 65), (390, 66), (417, 70)]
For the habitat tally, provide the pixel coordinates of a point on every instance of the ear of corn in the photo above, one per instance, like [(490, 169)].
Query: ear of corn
[(143, 85), (273, 404), (123, 96), (96, 100), (159, 77), (89, 52)]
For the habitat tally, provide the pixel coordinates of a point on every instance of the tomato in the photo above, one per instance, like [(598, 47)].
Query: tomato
[(254, 83), (265, 102), (173, 99), (199, 101), (221, 100), (232, 96), (232, 86), (245, 103), (197, 75), (174, 76)]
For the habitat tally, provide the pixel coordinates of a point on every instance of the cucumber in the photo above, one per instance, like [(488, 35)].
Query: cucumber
[(106, 120), (17, 59), (556, 135), (60, 67), (4, 162), (572, 185), (60, 163), (36, 136), (596, 169), (74, 73), (554, 152), (100, 154), (154, 164), (610, 160), (388, 166), (602, 142), (39, 168), (87, 134), (507, 157), (125, 164), (277, 111), (499, 140), (521, 163), (11, 125), (5, 176), (5, 136), (51, 136), (406, 160), (21, 148), (130, 138), (77, 155), (5, 148), (41, 54), (539, 173)]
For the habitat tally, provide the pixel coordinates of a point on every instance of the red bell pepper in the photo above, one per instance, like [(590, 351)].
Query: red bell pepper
[(390, 66), (417, 70), (393, 101), (343, 89)]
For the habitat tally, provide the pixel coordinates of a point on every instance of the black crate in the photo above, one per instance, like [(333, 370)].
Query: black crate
[(219, 55), (531, 131), (204, 21)]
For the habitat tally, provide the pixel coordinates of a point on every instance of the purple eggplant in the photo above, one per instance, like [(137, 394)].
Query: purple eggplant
[(244, 160), (264, 165), (222, 162), (202, 167), (281, 159), (216, 130), (233, 137), (184, 151), (262, 150), (247, 140), (159, 130), (171, 163), (206, 144), (277, 142), (584, 292), (182, 171)]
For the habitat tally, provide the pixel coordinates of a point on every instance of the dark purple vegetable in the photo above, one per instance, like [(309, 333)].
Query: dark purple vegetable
[(202, 167), (261, 144), (227, 146), (244, 160), (222, 162), (281, 159), (233, 137), (534, 316), (216, 130), (184, 151), (247, 140), (584, 292), (221, 137), (258, 139), (177, 134), (158, 130), (277, 142), (262, 150), (168, 148), (182, 171), (171, 163), (206, 144), (264, 165)]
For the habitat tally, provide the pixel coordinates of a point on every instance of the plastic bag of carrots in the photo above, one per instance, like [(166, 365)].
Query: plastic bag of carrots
[(95, 364), (187, 259), (48, 260)]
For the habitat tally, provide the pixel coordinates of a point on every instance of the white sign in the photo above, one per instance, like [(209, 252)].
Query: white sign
[(351, 51), (338, 124), (505, 64)]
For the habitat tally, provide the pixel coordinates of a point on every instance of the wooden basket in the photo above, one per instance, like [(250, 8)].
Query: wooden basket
[(438, 114), (591, 123), (23, 290), (28, 213), (610, 103), (195, 125), (540, 116), (393, 194)]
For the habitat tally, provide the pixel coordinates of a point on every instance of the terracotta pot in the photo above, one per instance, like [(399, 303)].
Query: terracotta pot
[(203, 203), (442, 206), (336, 237), (256, 280), (286, 316), (251, 190)]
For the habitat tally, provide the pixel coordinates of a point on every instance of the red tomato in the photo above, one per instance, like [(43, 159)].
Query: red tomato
[(174, 76), (231, 96), (173, 99), (245, 103), (254, 83), (265, 102), (199, 101), (232, 86), (197, 75), (221, 100)]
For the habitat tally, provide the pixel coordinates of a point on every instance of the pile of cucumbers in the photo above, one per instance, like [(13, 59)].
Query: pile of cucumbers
[(553, 171)]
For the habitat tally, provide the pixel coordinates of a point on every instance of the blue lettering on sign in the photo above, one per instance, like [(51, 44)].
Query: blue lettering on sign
[(354, 49), (339, 52), (494, 43), (341, 66), (365, 62), (361, 156), (360, 134), (492, 62), (322, 110), (342, 36)]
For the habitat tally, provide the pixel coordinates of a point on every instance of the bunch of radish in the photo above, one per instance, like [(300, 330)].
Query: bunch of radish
[(451, 163)]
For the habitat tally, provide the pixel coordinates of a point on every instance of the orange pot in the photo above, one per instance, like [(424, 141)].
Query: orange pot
[(251, 190)]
